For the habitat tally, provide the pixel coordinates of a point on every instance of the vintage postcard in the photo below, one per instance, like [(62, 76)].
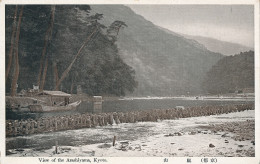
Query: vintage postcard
[(129, 82)]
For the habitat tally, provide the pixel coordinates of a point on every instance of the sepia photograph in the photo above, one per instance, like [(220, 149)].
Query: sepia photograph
[(129, 80)]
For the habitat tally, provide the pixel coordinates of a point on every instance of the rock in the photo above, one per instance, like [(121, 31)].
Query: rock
[(138, 148), (211, 145), (238, 151), (173, 154), (204, 132), (172, 143), (177, 134), (192, 133), (91, 153), (124, 149), (226, 141), (240, 145), (253, 142), (224, 135), (104, 145), (168, 135), (180, 149), (174, 134), (125, 142), (65, 148)]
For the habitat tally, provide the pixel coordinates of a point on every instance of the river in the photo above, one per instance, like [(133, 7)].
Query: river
[(133, 104)]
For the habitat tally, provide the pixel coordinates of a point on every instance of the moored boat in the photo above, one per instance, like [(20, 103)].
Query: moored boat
[(44, 108)]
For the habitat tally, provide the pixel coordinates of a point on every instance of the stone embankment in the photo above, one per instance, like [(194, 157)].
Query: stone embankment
[(68, 122)]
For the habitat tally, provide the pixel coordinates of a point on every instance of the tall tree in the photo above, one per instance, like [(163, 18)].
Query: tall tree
[(10, 54), (99, 70), (47, 38), (65, 73), (55, 73), (16, 72), (96, 28)]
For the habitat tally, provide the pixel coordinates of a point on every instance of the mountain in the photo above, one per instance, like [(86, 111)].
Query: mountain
[(165, 63), (230, 74), (192, 41), (142, 55), (225, 48)]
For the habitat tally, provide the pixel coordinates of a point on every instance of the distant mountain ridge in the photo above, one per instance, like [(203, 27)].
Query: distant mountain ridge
[(214, 45), (192, 41), (165, 64), (223, 47)]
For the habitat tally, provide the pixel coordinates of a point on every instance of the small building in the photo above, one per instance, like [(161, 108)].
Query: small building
[(56, 97)]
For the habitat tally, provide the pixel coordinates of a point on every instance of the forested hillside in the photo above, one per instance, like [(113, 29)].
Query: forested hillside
[(105, 49), (64, 46), (230, 74), (166, 63)]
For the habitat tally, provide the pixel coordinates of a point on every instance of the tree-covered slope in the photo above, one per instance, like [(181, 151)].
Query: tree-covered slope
[(98, 69), (230, 74), (165, 63)]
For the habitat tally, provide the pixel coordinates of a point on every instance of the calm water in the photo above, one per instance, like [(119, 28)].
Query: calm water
[(129, 105)]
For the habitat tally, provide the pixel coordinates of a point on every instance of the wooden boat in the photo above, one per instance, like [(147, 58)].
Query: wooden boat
[(56, 108), (45, 101)]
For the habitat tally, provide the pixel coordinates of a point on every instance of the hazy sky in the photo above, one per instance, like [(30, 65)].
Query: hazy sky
[(233, 23)]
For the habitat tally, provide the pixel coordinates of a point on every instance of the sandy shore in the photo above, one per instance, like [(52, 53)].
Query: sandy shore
[(219, 135)]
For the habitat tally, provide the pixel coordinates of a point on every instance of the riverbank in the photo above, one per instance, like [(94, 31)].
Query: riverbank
[(216, 135), (86, 120)]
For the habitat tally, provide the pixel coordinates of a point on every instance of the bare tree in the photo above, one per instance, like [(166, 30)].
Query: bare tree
[(10, 55), (16, 72)]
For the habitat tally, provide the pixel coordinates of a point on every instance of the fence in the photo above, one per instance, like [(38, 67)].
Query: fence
[(67, 122)]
